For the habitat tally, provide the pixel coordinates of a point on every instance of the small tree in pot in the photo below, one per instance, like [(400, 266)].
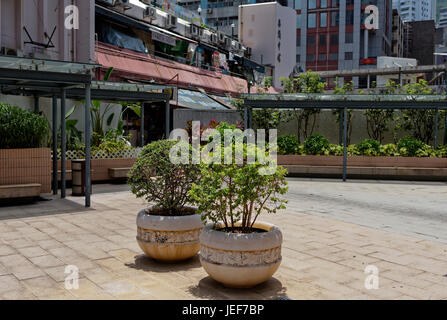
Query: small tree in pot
[(236, 249), (169, 230)]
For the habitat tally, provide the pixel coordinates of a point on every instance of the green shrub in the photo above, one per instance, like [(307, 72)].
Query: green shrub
[(288, 144), (316, 145), (368, 147), (21, 128), (155, 178), (389, 150), (409, 146)]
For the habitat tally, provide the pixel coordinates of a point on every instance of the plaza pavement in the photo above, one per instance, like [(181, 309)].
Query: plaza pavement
[(332, 232)]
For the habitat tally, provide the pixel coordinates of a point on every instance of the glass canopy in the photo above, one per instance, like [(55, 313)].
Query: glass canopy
[(32, 64)]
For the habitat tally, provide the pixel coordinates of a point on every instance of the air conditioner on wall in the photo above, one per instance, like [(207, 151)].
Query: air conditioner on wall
[(150, 13), (171, 21), (228, 43), (248, 51), (124, 4), (221, 37), (11, 52), (194, 31), (213, 38)]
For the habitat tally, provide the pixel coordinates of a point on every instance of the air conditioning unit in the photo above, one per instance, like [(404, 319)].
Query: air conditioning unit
[(248, 51), (209, 11), (228, 43), (171, 21), (194, 31), (11, 52), (150, 13), (239, 46), (109, 2), (221, 37), (214, 38), (123, 4)]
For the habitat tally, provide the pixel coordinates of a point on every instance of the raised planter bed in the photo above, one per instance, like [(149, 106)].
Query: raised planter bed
[(26, 166), (430, 169)]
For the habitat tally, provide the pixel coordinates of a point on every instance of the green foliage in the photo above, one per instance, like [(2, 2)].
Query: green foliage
[(377, 122), (368, 147), (288, 144), (316, 145), (232, 193), (389, 150), (113, 142), (155, 178), (346, 88), (21, 128), (410, 146)]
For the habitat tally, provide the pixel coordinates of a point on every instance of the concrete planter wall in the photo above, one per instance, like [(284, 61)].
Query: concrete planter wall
[(26, 166), (100, 167), (241, 260), (379, 167)]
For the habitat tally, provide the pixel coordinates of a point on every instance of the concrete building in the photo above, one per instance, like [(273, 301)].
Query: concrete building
[(398, 35), (442, 20), (419, 41), (331, 35), (440, 13), (269, 29), (411, 10), (37, 29)]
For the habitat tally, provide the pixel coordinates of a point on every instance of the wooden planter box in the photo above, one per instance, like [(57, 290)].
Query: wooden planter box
[(100, 168), (26, 166), (359, 166)]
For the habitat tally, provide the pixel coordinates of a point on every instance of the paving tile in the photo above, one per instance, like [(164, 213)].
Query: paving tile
[(32, 252), (9, 283), (46, 261)]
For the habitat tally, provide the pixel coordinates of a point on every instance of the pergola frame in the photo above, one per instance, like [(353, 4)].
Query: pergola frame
[(62, 80), (343, 103)]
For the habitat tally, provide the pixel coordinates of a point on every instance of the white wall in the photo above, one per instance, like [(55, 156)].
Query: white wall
[(40, 17), (260, 25)]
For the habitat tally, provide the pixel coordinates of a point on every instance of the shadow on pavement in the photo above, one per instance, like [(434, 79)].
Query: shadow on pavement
[(142, 262)]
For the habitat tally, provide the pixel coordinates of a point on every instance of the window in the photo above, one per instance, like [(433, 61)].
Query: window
[(334, 39), (333, 56), (312, 20), (322, 39), (323, 3), (311, 4), (297, 4), (335, 17), (348, 56), (349, 17), (322, 57), (323, 20), (298, 40), (310, 58), (298, 21), (298, 58), (310, 40)]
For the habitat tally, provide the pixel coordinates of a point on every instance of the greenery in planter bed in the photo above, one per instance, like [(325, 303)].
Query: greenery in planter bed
[(318, 145), (20, 128), (167, 185), (238, 193)]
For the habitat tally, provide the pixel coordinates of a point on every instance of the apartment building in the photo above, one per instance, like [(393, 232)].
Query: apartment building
[(415, 10)]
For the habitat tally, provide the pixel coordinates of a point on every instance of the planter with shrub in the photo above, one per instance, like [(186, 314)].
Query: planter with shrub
[(23, 158), (409, 158), (169, 230), (237, 250)]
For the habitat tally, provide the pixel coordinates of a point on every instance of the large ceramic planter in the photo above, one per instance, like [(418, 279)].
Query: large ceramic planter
[(167, 238), (241, 260)]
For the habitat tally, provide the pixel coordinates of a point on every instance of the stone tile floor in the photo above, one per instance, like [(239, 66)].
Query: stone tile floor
[(328, 244)]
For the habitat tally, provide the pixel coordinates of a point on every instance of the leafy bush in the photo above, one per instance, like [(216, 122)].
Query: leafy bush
[(288, 144), (316, 145), (369, 147), (231, 193), (389, 150), (21, 128), (410, 146), (155, 178)]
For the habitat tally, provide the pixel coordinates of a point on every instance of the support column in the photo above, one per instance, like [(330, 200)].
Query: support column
[(142, 124), (340, 127), (87, 178), (63, 145), (36, 104), (246, 124), (436, 129), (345, 144), (168, 119), (250, 118), (55, 169)]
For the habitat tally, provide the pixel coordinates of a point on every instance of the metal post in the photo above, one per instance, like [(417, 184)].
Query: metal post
[(436, 129), (345, 143), (142, 124), (87, 179), (250, 118), (168, 119), (445, 128), (55, 169), (36, 104), (246, 123), (340, 128), (63, 145)]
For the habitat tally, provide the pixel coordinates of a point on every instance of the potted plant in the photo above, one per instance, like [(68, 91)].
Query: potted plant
[(169, 230), (237, 250)]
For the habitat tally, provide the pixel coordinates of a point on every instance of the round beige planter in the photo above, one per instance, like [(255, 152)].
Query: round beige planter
[(169, 238), (241, 260)]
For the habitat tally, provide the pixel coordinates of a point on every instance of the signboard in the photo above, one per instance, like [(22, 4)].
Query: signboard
[(368, 61), (163, 38)]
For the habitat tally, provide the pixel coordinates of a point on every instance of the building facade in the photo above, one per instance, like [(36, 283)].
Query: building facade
[(331, 34), (269, 30), (411, 10), (419, 41), (398, 35)]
